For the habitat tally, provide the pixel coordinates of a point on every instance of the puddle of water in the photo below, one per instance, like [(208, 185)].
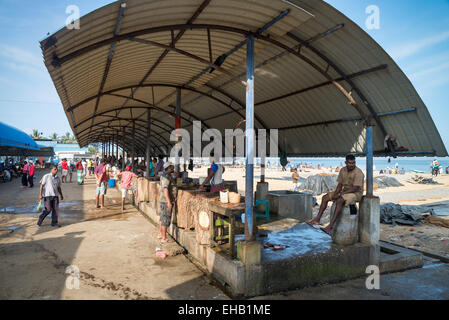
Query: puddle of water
[(301, 239), (31, 209), (432, 265)]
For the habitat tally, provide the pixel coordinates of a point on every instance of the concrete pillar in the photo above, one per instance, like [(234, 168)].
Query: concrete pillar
[(249, 252), (369, 226)]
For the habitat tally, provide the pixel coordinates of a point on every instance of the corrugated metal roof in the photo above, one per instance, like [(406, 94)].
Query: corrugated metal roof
[(310, 63)]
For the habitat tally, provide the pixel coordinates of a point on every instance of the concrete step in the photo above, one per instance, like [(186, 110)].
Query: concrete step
[(394, 258)]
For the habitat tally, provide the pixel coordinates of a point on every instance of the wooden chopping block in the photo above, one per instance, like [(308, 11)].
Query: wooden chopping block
[(203, 219), (158, 188), (185, 216), (152, 193)]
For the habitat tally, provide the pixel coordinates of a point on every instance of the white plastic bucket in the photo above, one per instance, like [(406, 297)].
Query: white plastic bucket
[(224, 196)]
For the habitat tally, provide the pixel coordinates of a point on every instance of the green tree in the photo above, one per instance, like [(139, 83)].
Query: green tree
[(54, 136), (36, 134), (93, 149), (66, 138)]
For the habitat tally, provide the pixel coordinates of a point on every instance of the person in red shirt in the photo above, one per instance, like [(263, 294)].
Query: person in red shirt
[(126, 178), (102, 183), (31, 174), (25, 175), (65, 170)]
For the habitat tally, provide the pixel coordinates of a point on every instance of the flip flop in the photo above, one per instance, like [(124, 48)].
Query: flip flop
[(322, 229), (165, 241), (159, 236)]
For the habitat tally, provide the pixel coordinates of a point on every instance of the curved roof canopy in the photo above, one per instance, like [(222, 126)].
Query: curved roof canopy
[(319, 77), (13, 140)]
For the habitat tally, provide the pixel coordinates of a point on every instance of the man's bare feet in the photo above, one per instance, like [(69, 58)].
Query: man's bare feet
[(313, 222), (327, 230), (165, 240), (159, 236)]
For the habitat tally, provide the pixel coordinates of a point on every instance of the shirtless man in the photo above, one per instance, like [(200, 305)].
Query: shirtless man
[(349, 190)]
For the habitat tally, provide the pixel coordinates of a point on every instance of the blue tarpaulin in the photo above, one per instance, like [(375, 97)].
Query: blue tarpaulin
[(15, 138)]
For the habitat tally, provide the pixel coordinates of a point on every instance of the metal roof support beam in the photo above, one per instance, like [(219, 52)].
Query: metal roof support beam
[(177, 124), (250, 219), (325, 123), (348, 80), (200, 9), (369, 161), (114, 118), (139, 133), (354, 75), (230, 52), (110, 54), (223, 28), (127, 140), (182, 52), (274, 58)]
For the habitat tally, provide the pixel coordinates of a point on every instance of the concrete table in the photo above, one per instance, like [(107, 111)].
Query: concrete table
[(227, 210)]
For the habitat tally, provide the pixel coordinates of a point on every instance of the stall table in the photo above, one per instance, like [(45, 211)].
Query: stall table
[(228, 210)]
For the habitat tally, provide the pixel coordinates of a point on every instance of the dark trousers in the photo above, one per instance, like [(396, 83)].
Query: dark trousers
[(30, 181), (51, 204), (24, 179)]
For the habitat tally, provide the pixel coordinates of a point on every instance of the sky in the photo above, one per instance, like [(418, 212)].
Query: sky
[(415, 33)]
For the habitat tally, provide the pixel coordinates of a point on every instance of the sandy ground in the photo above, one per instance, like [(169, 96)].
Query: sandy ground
[(428, 237), (114, 252)]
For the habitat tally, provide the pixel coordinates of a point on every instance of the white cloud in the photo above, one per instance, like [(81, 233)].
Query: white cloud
[(425, 72), (18, 55), (407, 49)]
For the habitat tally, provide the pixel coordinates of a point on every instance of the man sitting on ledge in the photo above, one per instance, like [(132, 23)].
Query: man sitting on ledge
[(349, 191)]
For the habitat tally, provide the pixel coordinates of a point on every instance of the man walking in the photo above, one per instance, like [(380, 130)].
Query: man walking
[(102, 179), (50, 185)]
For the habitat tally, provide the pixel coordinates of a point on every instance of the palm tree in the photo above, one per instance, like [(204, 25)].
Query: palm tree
[(54, 136), (36, 134), (92, 149), (66, 137)]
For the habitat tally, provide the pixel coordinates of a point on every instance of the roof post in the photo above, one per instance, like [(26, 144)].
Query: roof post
[(148, 141), (249, 169), (133, 150), (177, 125), (369, 160)]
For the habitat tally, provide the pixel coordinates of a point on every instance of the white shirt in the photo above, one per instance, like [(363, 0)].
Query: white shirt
[(51, 184)]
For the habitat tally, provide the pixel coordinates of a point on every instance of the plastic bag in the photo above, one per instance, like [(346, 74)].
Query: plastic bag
[(39, 206)]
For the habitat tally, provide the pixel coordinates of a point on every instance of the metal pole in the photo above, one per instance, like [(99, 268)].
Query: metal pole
[(369, 161), (177, 124), (116, 146), (250, 219), (133, 150), (148, 142)]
